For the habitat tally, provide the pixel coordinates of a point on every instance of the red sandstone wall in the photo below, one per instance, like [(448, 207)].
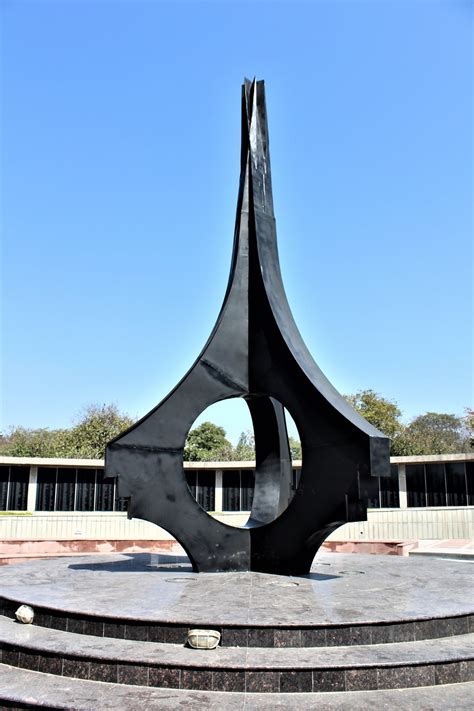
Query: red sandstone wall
[(16, 551)]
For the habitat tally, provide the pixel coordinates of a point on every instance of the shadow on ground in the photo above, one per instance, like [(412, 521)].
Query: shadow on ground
[(139, 563)]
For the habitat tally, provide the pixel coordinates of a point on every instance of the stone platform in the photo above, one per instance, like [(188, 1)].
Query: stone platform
[(355, 624)]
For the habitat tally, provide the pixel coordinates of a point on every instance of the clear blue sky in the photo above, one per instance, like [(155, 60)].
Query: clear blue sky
[(120, 142)]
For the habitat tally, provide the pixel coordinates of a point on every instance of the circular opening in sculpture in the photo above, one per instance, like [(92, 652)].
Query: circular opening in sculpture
[(221, 471), (222, 435)]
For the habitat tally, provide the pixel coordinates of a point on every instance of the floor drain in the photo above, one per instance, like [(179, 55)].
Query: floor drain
[(180, 580), (352, 572)]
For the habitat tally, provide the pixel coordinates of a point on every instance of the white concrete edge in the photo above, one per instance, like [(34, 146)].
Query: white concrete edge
[(432, 458), (99, 463)]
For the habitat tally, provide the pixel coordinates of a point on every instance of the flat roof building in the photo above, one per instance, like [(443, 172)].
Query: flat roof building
[(61, 502)]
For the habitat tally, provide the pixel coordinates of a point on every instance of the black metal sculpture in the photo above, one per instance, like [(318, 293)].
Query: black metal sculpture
[(256, 352)]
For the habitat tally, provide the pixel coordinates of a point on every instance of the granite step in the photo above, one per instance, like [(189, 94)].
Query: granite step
[(314, 669), (301, 635), (346, 599), (25, 689)]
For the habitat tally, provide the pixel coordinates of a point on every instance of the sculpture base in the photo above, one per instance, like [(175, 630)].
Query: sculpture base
[(356, 622)]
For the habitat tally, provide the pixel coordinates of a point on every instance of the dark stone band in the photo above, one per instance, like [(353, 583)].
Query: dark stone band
[(238, 636), (248, 680)]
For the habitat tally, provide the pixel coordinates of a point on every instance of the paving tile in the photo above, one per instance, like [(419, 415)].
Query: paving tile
[(29, 660), (10, 608), (132, 674), (361, 679), (50, 664), (78, 668), (94, 627), (176, 635), (196, 679), (442, 628), (262, 682), (156, 633), (114, 629), (58, 622), (75, 624), (296, 681), (313, 637), (447, 673), (136, 632), (10, 655), (361, 635), (404, 677), (287, 638), (102, 671), (382, 634), (425, 629), (164, 677), (404, 632), (459, 625), (328, 680), (467, 670), (338, 636), (234, 637), (228, 680), (263, 637), (42, 618)]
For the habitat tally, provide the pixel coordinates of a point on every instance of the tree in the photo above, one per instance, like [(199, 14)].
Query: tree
[(22, 442), (381, 413), (295, 448), (435, 433), (95, 428), (245, 449), (207, 443), (97, 425), (469, 427)]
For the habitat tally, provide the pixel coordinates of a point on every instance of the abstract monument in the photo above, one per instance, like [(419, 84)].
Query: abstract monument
[(255, 352)]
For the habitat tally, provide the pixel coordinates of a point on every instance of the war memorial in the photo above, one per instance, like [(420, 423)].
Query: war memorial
[(248, 616)]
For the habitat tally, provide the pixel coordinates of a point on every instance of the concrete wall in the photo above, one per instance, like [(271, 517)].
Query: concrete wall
[(410, 524), (78, 526), (382, 524)]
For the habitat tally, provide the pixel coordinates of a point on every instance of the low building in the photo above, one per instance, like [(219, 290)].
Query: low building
[(59, 506)]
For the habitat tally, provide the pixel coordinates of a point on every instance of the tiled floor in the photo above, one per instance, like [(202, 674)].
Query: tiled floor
[(341, 590)]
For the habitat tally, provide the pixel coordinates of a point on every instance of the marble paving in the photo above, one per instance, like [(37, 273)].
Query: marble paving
[(340, 590)]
